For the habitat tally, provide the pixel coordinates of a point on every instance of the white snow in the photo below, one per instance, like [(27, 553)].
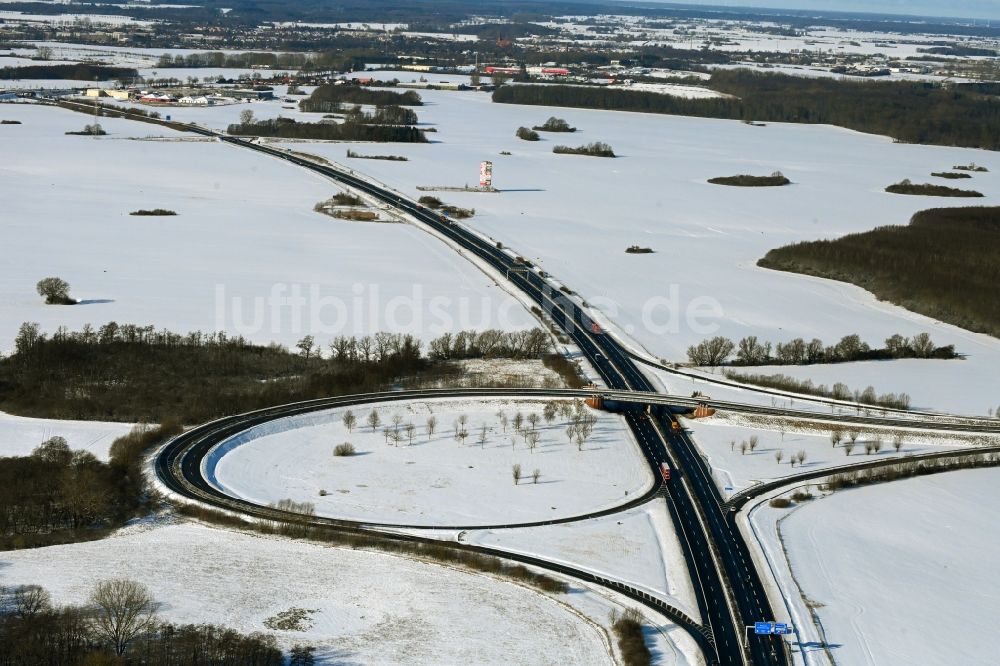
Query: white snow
[(246, 253), (638, 547), (436, 480), (735, 471), (369, 607), (19, 435), (576, 215), (896, 570)]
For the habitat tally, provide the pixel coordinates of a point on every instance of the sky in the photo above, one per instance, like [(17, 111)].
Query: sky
[(979, 9)]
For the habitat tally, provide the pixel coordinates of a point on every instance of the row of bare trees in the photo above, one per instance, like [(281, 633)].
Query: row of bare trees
[(118, 624), (751, 351)]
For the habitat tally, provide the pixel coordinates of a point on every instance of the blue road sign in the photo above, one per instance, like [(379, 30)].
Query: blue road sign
[(728, 488), (780, 628), (763, 627)]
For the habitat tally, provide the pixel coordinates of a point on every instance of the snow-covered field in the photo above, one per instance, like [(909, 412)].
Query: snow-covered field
[(637, 546), (20, 435), (576, 215), (897, 572), (367, 608), (435, 480), (720, 441), (245, 253)]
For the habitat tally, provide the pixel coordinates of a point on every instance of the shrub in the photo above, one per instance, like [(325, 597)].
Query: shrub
[(628, 628), (55, 290), (595, 149), (346, 199), (554, 124), (635, 249), (930, 190), (458, 213), (777, 179), (10, 122), (780, 503), (527, 134), (153, 212), (430, 202), (951, 175), (342, 450)]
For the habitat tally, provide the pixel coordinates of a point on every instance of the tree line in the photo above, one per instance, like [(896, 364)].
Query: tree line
[(839, 391), (913, 112), (57, 495), (751, 351), (140, 373), (287, 128), (957, 285), (329, 98), (73, 72), (118, 625)]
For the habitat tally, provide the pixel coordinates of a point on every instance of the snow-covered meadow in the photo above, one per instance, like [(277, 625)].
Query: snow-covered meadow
[(245, 253), (720, 440), (576, 215), (366, 608), (19, 435), (436, 479), (891, 571)]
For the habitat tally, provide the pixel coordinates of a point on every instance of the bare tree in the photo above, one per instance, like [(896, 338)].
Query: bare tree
[(876, 444), (550, 411), (518, 420), (462, 434), (869, 447), (754, 441), (535, 474), (732, 445), (396, 420), (502, 415), (533, 419), (897, 443), (374, 420), (246, 117), (801, 457), (853, 436), (432, 424), (482, 437), (55, 290), (395, 436), (571, 431), (124, 611), (349, 420), (848, 447), (29, 600), (836, 436), (743, 447), (778, 455), (462, 420), (532, 439), (410, 429), (516, 473)]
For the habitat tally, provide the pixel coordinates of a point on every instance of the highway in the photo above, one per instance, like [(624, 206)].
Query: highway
[(729, 590)]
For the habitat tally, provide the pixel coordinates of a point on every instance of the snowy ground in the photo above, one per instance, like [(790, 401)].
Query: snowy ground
[(719, 440), (702, 280), (245, 253), (892, 570), (369, 608), (567, 213), (436, 480), (20, 435), (638, 547)]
